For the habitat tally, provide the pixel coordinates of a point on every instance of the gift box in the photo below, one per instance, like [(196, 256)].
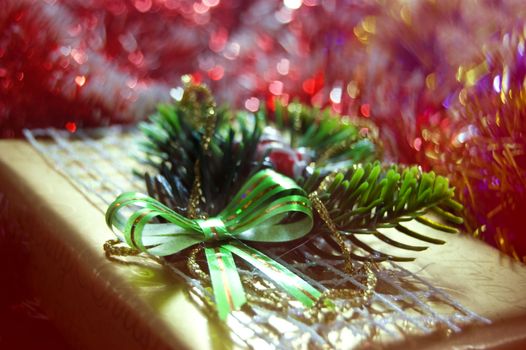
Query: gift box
[(58, 185)]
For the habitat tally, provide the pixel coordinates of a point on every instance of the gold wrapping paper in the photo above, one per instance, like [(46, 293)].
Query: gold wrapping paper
[(99, 304)]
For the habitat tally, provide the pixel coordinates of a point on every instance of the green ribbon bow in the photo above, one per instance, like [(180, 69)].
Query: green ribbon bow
[(254, 214)]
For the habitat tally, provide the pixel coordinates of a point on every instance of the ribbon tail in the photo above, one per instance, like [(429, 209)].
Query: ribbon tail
[(282, 276), (228, 291)]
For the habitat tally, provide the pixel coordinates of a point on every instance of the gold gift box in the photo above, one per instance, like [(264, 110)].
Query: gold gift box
[(99, 304)]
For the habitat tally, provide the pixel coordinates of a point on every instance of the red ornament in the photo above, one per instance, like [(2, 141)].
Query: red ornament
[(284, 159), (287, 161)]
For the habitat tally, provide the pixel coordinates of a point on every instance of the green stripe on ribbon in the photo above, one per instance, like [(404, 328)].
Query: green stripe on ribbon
[(254, 214), (228, 290)]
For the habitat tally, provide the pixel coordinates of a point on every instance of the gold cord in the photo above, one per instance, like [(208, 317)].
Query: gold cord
[(356, 297), (334, 149), (193, 265), (195, 194), (111, 250), (325, 216)]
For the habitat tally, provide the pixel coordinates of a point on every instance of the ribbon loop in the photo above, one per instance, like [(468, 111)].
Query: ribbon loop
[(254, 214)]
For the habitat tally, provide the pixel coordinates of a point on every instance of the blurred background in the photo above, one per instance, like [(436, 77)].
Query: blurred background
[(443, 80)]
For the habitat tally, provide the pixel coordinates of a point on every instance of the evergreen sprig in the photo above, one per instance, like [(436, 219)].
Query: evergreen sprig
[(369, 197), (334, 139), (173, 145)]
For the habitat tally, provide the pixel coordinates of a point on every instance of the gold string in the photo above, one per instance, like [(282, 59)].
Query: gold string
[(372, 135), (296, 129), (334, 149), (325, 216), (210, 126), (112, 250), (356, 297), (195, 194), (193, 265)]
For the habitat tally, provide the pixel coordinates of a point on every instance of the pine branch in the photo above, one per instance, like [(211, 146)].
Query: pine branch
[(334, 139), (368, 197), (173, 145)]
